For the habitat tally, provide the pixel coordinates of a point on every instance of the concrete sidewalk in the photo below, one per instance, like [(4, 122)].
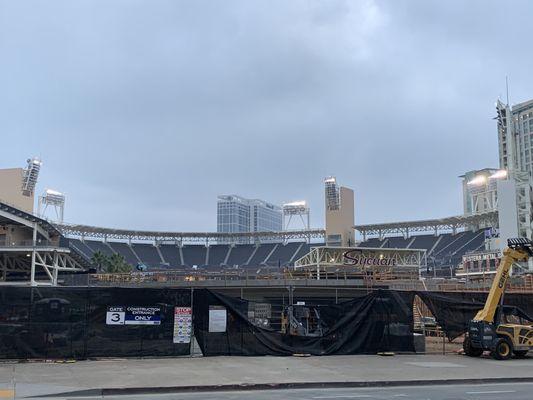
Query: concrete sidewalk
[(31, 379)]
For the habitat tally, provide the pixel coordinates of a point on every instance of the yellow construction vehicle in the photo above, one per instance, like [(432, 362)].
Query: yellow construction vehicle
[(488, 331)]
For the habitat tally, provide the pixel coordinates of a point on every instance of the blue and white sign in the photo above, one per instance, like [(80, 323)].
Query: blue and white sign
[(133, 315)]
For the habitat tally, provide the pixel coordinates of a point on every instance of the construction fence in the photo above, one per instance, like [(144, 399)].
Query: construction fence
[(90, 322)]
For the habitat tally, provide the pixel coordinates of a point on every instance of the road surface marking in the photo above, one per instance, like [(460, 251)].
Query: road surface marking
[(343, 396), (493, 392), (434, 364)]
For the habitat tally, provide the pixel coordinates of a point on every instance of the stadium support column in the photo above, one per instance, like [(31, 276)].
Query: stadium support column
[(55, 270), (34, 243)]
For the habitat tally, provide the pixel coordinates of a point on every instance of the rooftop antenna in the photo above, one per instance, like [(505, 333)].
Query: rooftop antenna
[(507, 88)]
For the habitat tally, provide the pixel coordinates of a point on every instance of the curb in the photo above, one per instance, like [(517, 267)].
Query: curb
[(278, 386)]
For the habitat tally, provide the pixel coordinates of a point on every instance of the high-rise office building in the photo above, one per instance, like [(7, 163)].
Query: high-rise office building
[(515, 136), (515, 143), (236, 214)]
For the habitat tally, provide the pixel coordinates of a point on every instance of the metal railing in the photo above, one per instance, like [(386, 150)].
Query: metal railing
[(28, 243), (224, 278)]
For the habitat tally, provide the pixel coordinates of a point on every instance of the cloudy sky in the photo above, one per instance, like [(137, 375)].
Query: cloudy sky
[(144, 111)]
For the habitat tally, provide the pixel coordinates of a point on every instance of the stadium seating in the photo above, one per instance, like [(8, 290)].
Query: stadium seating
[(102, 247), (171, 254), (125, 250), (239, 254), (147, 253), (444, 241), (396, 243), (217, 254), (82, 249), (425, 242), (304, 249), (443, 251), (194, 255), (283, 254), (261, 254), (372, 242)]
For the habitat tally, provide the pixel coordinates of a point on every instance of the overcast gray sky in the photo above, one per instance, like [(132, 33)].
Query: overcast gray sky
[(144, 111)]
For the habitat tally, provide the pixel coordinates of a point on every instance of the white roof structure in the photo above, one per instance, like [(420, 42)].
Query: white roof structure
[(429, 225), (87, 231)]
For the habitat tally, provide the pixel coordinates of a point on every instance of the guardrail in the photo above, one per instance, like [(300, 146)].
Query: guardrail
[(198, 278)]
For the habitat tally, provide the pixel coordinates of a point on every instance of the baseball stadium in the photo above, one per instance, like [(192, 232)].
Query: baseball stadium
[(412, 284), (461, 251)]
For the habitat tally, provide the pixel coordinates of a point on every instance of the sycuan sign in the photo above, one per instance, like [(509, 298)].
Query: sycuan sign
[(357, 258)]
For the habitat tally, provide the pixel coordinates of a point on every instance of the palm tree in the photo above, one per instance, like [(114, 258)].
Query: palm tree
[(117, 264), (99, 260)]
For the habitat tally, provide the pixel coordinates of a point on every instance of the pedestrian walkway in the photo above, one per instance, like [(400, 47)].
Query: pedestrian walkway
[(38, 378)]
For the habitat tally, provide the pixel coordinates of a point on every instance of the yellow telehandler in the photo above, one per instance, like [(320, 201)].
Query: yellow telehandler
[(488, 331)]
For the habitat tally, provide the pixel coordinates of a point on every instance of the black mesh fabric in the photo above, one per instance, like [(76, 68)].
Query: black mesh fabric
[(454, 310), (67, 322), (379, 321), (70, 322), (134, 340)]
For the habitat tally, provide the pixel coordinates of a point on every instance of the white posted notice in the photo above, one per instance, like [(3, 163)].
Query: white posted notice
[(217, 319)]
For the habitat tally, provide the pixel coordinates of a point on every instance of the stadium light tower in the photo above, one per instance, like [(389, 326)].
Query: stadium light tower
[(30, 175), (332, 193), (54, 199), (296, 209), (480, 190)]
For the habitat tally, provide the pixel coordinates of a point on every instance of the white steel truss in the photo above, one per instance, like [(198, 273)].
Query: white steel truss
[(51, 261), (335, 256), (431, 225), (85, 231), (323, 258)]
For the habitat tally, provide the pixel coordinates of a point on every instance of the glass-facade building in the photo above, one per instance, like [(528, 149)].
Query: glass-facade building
[(236, 214)]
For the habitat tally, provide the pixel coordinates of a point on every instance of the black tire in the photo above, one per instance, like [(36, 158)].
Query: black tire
[(503, 349), (469, 350), (520, 353)]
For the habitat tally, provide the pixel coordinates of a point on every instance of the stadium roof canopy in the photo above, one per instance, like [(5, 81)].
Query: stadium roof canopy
[(452, 224), (86, 231), (15, 215)]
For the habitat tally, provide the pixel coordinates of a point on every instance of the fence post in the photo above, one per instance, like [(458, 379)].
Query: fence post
[(191, 336)]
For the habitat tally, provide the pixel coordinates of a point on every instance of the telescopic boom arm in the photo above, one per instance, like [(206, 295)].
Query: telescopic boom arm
[(519, 249)]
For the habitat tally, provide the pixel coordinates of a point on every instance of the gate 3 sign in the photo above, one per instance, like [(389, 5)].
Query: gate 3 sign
[(133, 315)]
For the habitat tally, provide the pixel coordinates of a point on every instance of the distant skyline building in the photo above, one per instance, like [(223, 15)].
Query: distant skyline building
[(515, 144), (236, 214), (515, 136)]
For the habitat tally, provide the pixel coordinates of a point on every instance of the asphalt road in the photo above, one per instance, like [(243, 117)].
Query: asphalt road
[(508, 391)]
